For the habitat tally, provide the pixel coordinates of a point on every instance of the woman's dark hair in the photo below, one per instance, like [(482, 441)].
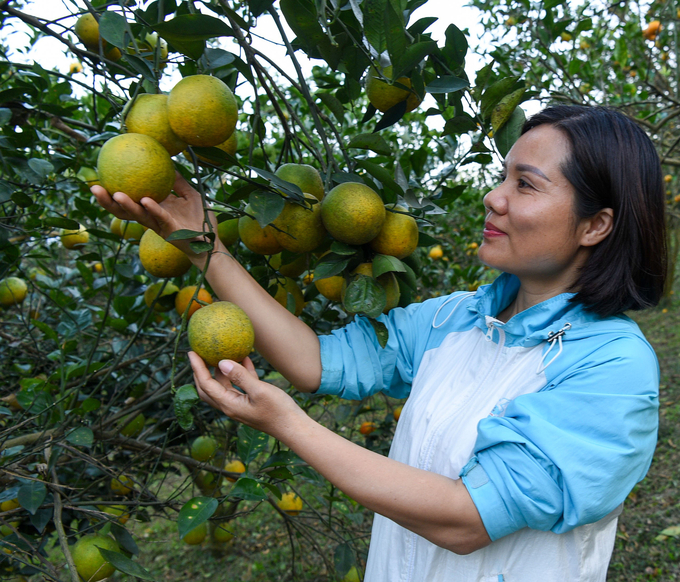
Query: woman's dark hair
[(613, 164)]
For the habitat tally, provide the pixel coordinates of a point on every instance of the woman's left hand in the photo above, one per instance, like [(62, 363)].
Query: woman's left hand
[(259, 405)]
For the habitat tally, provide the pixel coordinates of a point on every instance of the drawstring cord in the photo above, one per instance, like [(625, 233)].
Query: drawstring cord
[(434, 319), (554, 337)]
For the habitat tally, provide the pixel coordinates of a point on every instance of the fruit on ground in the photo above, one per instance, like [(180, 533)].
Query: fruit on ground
[(121, 485), (353, 213), (260, 240), (185, 295), (89, 562), (202, 110), (292, 269), (397, 412), (87, 31), (398, 236), (196, 535), (133, 425), (137, 165), (221, 533), (290, 288), (305, 176), (167, 292), (160, 258), (204, 448), (652, 30), (388, 281), (149, 116), (436, 252), (234, 466), (383, 96), (290, 503), (367, 427), (221, 331), (300, 226), (74, 238), (13, 291), (227, 231)]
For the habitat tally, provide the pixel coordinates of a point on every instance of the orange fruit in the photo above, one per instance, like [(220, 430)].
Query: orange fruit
[(160, 258), (202, 110), (383, 96), (149, 116), (89, 562), (121, 485), (234, 466), (184, 296), (397, 412), (300, 226), (436, 252), (87, 31), (306, 177), (260, 240), (398, 236), (167, 297), (196, 535), (72, 239), (652, 30), (227, 231), (204, 448), (221, 331), (353, 213), (290, 503), (367, 427), (290, 287), (13, 291)]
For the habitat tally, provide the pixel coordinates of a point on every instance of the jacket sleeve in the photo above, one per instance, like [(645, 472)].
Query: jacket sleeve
[(570, 454), (354, 365)]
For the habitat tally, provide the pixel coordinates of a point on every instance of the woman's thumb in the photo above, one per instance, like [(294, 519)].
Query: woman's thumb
[(236, 374)]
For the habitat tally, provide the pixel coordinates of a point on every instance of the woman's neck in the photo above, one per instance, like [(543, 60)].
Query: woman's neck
[(528, 296)]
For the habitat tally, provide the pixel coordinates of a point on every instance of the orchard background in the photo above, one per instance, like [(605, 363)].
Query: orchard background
[(98, 415)]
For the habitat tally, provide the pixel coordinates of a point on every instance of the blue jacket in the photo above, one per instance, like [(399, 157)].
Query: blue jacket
[(550, 419)]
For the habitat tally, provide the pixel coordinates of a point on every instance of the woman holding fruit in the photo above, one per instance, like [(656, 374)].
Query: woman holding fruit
[(532, 407)]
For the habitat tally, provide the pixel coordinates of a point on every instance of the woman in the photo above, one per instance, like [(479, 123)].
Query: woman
[(532, 407)]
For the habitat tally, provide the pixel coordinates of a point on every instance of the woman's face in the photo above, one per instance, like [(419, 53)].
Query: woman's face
[(531, 229)]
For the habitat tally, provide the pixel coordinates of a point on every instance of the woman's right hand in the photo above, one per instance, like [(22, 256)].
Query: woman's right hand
[(183, 211)]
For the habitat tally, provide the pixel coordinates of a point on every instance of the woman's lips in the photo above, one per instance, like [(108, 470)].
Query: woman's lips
[(491, 231)]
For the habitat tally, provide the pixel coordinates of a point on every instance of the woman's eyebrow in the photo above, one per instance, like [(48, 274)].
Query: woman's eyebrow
[(533, 170)]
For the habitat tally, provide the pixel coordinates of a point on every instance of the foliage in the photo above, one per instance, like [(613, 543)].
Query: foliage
[(84, 354)]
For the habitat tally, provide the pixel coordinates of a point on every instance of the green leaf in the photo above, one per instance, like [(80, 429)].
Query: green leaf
[(394, 32), (381, 174), (282, 459), (293, 190), (496, 92), (193, 49), (412, 57), (46, 329), (505, 108), (303, 19), (344, 560), (386, 264), (112, 28), (41, 167), (6, 190), (446, 84), (340, 248), (251, 442), (31, 495), (81, 436), (125, 564), (425, 240), (143, 67), (391, 116), (5, 115), (59, 222), (333, 103), (185, 397), (266, 206), (459, 124), (195, 512), (213, 59), (184, 234), (330, 267), (199, 247), (456, 47), (374, 23), (510, 132), (370, 141), (673, 531), (364, 295), (381, 331), (192, 27), (124, 539), (248, 489)]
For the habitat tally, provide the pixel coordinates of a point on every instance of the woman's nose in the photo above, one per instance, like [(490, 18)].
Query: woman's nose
[(494, 201)]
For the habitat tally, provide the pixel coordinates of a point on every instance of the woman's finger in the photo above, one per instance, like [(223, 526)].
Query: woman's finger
[(182, 187), (108, 203), (136, 211)]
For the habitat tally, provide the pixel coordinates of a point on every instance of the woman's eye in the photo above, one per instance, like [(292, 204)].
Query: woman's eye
[(523, 184), (501, 177)]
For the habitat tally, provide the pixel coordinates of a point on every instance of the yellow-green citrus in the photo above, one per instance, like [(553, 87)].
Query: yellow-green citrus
[(74, 238), (131, 230), (260, 240), (234, 466), (13, 291), (160, 258), (398, 236), (202, 110), (221, 534), (89, 562), (9, 504), (383, 96), (137, 165), (196, 535), (352, 575), (184, 296), (121, 485), (290, 503), (290, 287), (300, 226), (88, 175), (166, 301), (388, 281), (294, 268), (149, 116), (204, 448), (353, 213), (208, 482), (221, 331), (306, 177), (227, 231), (121, 512), (87, 31)]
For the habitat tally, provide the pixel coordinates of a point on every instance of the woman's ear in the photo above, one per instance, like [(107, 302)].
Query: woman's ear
[(597, 228)]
